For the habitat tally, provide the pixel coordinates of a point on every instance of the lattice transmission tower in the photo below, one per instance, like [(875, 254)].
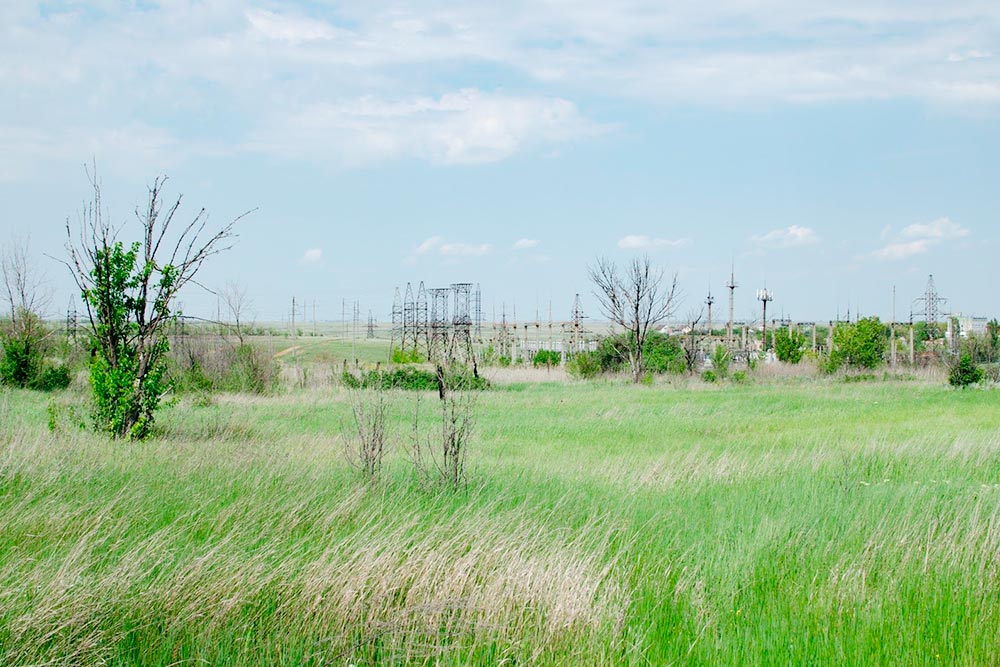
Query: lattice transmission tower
[(931, 304)]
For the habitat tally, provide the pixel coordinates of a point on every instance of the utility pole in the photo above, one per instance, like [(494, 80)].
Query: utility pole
[(293, 318), (731, 285), (892, 328), (709, 301)]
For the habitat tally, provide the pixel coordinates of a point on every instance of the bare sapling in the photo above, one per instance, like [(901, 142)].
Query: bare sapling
[(365, 449), (444, 463)]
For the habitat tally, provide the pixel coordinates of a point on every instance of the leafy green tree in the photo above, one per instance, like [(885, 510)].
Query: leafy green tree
[(129, 290), (789, 346), (858, 345), (965, 373)]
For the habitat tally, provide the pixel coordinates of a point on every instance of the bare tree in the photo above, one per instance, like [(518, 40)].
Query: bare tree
[(691, 351), (238, 309), (24, 289), (636, 298), (129, 291)]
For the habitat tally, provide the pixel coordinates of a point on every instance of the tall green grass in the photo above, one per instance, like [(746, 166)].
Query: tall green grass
[(794, 523)]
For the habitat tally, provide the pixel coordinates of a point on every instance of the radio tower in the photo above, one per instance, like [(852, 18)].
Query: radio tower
[(765, 297), (731, 285)]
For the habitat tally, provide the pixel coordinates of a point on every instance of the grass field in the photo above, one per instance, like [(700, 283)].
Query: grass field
[(790, 522)]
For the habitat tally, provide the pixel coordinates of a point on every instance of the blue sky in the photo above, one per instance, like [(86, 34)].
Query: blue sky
[(830, 151)]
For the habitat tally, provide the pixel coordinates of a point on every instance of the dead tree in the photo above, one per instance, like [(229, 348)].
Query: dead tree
[(239, 319), (636, 298), (24, 289), (692, 352), (128, 292)]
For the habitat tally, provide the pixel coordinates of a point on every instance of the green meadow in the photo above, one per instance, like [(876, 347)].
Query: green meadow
[(783, 522)]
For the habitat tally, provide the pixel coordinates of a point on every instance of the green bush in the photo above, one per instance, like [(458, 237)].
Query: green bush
[(740, 377), (52, 378), (789, 346), (121, 408), (858, 345), (720, 361), (584, 365), (709, 376), (965, 373), (546, 358), (244, 368), (410, 378), (661, 353), (407, 357), (250, 370), (22, 360), (350, 380), (24, 344)]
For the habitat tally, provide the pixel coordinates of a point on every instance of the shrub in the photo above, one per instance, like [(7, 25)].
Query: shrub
[(349, 380), (789, 346), (858, 345), (52, 378), (24, 344), (584, 365), (661, 353), (720, 361), (709, 376), (965, 373), (410, 378), (250, 370), (201, 366), (546, 358), (400, 356), (365, 449), (22, 359), (740, 377)]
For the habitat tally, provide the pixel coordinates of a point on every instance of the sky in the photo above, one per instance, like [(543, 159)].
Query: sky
[(830, 151)]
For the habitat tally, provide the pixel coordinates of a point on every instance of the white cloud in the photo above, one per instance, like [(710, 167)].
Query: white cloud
[(942, 229), (468, 126), (790, 237), (897, 250), (311, 256), (524, 244), (290, 29), (643, 242), (974, 54), (454, 249), (465, 249), (427, 246), (916, 239), (362, 82)]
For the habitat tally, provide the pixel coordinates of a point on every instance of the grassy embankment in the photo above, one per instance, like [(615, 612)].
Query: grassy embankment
[(792, 523)]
